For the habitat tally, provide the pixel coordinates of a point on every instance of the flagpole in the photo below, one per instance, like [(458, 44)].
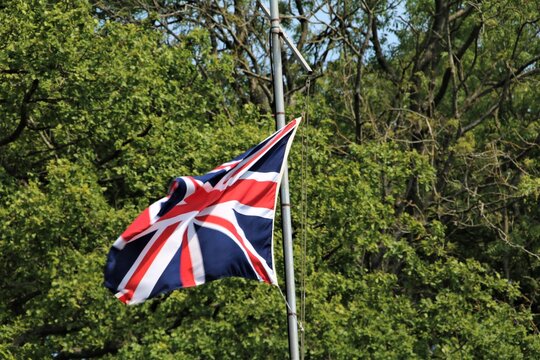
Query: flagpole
[(284, 191)]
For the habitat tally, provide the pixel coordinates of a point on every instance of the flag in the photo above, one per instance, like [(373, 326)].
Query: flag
[(207, 227)]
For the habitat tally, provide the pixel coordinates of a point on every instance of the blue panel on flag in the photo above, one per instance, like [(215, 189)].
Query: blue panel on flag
[(222, 257), (120, 261), (212, 178), (271, 161), (178, 195), (254, 149), (170, 279), (259, 232)]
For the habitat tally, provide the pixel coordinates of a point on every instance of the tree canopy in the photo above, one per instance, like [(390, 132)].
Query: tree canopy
[(414, 182)]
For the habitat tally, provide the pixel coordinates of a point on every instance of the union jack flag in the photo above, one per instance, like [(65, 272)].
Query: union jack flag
[(207, 227)]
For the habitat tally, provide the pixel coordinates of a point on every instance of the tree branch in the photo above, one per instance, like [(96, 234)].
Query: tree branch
[(117, 152), (513, 75), (378, 50), (458, 56), (23, 122), (109, 348)]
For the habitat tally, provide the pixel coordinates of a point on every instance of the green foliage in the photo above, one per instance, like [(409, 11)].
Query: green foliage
[(422, 234)]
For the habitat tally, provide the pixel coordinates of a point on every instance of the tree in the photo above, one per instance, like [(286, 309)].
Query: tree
[(421, 174)]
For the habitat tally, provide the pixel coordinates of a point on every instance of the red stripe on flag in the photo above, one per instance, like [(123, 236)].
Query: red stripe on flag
[(147, 260), (252, 193), (186, 268), (141, 223), (194, 202), (259, 268), (124, 297), (246, 191)]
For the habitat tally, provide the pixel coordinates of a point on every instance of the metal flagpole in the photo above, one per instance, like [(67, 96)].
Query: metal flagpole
[(285, 199)]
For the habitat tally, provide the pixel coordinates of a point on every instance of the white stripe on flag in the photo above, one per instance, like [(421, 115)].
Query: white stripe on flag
[(260, 176), (160, 263), (153, 209), (120, 243), (139, 259), (196, 255), (220, 209)]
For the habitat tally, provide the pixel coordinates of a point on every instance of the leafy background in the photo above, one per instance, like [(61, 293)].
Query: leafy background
[(421, 174)]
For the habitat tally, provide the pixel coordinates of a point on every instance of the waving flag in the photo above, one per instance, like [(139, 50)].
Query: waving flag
[(208, 227)]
